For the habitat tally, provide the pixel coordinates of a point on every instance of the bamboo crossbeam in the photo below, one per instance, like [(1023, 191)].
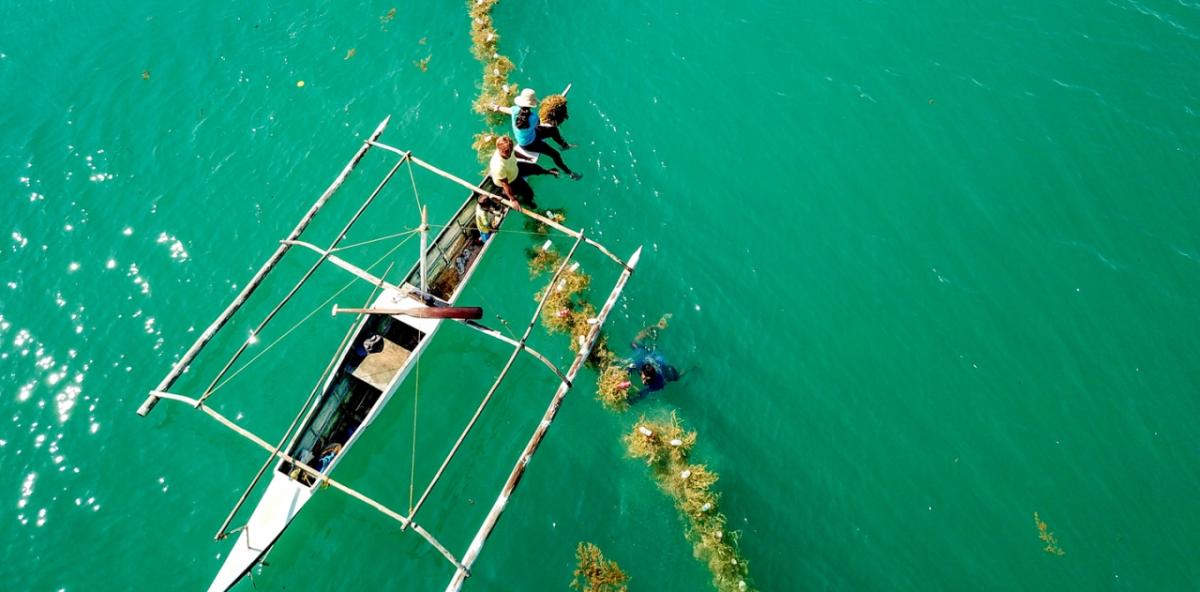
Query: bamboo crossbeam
[(490, 332), (518, 470), (287, 434), (342, 263), (255, 281), (496, 384), (296, 286), (329, 481), (512, 204)]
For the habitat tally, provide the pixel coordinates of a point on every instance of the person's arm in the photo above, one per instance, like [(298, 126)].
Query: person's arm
[(502, 109), (507, 189)]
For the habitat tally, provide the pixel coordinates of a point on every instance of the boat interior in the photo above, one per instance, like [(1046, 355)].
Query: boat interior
[(377, 354), (452, 253), (370, 364)]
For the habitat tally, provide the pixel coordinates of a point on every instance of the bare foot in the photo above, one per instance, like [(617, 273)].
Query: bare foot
[(553, 172)]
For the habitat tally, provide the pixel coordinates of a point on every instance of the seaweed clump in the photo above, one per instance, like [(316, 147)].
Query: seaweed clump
[(553, 110), (594, 573), (613, 387), (666, 447), (1047, 536), (539, 228), (494, 89)]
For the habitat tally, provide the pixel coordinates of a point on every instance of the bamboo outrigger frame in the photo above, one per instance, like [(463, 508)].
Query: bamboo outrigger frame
[(301, 467)]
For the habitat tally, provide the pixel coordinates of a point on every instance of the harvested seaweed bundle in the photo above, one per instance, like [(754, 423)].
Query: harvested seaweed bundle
[(553, 110)]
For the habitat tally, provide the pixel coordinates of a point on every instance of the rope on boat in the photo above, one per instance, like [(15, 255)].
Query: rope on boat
[(376, 240), (320, 307), (518, 470), (500, 378), (329, 481), (287, 434), (413, 178), (311, 270), (182, 364)]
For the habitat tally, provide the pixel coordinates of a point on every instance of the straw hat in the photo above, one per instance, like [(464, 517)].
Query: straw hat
[(527, 98)]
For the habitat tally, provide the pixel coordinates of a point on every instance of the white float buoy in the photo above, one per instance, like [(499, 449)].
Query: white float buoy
[(685, 474), (645, 431), (546, 245)]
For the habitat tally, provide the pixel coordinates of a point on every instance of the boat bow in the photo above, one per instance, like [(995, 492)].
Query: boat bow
[(281, 502)]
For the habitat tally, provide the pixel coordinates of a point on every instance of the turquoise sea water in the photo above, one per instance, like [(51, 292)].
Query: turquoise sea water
[(933, 268)]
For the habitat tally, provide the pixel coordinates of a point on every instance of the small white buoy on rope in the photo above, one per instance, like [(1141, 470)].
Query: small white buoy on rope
[(335, 310), (252, 339), (676, 442), (685, 474), (562, 285), (645, 431), (706, 507), (546, 245), (593, 321), (574, 266), (582, 341)]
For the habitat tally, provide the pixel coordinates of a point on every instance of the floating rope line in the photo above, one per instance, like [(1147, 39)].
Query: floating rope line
[(664, 445)]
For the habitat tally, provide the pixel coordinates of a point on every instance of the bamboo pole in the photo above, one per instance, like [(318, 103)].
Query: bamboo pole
[(329, 481), (237, 302), (496, 385), (287, 434), (504, 200), (420, 312), (490, 332), (518, 470), (350, 267), (296, 287), (424, 244)]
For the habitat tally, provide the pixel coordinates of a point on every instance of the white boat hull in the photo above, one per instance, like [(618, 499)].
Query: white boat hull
[(279, 504)]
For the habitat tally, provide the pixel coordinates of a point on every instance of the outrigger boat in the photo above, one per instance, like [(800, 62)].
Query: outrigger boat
[(390, 335)]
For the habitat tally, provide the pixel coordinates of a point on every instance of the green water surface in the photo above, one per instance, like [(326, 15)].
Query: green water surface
[(933, 268)]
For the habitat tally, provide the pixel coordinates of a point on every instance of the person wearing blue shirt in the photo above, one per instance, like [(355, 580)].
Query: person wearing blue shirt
[(531, 136), (649, 363)]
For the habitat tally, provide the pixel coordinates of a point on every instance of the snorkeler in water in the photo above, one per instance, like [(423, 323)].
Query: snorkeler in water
[(653, 369)]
